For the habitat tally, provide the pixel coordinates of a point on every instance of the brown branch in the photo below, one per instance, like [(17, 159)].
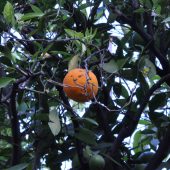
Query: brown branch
[(74, 116), (15, 127), (128, 129), (161, 153), (149, 23), (147, 37), (103, 114), (93, 13), (77, 15)]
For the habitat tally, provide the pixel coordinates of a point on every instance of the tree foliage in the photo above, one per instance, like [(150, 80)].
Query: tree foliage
[(126, 43)]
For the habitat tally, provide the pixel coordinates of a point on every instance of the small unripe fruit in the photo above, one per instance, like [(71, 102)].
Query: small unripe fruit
[(96, 162)]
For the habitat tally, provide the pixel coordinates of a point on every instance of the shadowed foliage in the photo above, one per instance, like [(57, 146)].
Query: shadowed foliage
[(126, 43)]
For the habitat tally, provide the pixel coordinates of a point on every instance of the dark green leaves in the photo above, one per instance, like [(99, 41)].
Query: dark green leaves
[(157, 102), (113, 66), (37, 13), (4, 81), (21, 166), (41, 38), (120, 90), (86, 136)]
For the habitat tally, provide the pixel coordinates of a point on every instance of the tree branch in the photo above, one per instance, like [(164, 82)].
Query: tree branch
[(161, 153), (147, 37), (77, 15), (79, 146), (128, 129), (15, 127), (93, 13)]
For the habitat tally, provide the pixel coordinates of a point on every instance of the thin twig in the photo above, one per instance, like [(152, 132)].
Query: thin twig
[(128, 129)]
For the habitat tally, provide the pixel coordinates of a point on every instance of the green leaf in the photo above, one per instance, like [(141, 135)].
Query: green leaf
[(117, 88), (86, 135), (148, 4), (41, 116), (147, 131), (142, 89), (8, 13), (91, 121), (124, 93), (37, 13), (144, 122), (121, 102), (31, 15), (136, 141), (158, 118), (114, 66), (74, 62), (4, 81), (6, 61), (22, 107), (166, 19), (89, 35), (120, 90), (36, 9), (121, 62), (151, 68), (3, 24), (74, 34), (54, 123), (140, 10), (159, 100), (110, 67), (129, 74), (112, 17), (19, 166)]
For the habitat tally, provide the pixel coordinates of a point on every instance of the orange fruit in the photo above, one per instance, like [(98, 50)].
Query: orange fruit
[(80, 85)]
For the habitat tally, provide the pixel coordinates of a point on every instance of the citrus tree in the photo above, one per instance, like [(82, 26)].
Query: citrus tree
[(119, 117)]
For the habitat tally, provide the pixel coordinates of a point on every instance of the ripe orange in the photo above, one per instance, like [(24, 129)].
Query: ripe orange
[(80, 85)]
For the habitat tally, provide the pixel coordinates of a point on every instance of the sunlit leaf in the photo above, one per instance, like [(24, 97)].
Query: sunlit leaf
[(166, 19), (31, 15), (54, 123), (136, 141), (74, 62), (74, 34)]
